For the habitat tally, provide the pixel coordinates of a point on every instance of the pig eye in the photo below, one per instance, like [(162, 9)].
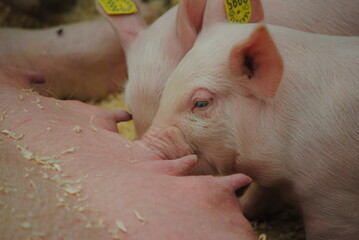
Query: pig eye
[(202, 104)]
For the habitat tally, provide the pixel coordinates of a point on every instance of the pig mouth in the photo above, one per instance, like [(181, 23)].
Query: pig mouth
[(168, 144)]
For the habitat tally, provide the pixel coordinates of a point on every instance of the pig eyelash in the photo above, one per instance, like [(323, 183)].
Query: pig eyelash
[(202, 104)]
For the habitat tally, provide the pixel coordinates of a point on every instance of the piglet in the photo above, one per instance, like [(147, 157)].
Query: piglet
[(75, 62), (153, 52), (277, 104)]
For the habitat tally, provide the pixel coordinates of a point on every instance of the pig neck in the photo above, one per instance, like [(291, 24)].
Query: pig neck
[(305, 140), (151, 59), (292, 136)]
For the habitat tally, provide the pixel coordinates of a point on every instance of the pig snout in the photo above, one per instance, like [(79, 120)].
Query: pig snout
[(168, 143)]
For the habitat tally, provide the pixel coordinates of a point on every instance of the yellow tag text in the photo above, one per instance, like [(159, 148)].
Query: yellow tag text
[(118, 6), (238, 11)]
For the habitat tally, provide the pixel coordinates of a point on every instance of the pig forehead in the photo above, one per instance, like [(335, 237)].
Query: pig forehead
[(221, 37)]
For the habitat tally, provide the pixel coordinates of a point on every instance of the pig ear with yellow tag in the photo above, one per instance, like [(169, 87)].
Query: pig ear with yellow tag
[(235, 11), (256, 64), (124, 17), (189, 21)]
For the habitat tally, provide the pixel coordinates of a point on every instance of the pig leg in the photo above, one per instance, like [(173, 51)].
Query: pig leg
[(81, 61)]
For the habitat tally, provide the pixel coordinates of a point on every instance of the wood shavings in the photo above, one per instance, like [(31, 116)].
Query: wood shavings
[(114, 234), (29, 91), (3, 116), (29, 169), (25, 153), (82, 198), (77, 129), (44, 161), (48, 128), (81, 208), (25, 110), (263, 236), (62, 203), (101, 223), (40, 106), (133, 161), (91, 125), (25, 225), (30, 195), (138, 216), (89, 224), (121, 226), (33, 185), (70, 150), (44, 175), (59, 105), (6, 188), (57, 167), (21, 97), (72, 190), (60, 199), (36, 101), (128, 146), (99, 175), (12, 135)]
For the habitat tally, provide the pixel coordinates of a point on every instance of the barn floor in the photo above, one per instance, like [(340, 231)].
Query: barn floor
[(286, 225)]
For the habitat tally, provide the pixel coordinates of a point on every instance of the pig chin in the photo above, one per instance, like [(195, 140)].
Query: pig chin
[(168, 143)]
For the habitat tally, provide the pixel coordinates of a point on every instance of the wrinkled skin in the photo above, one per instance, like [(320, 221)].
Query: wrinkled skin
[(279, 105), (75, 61), (117, 177)]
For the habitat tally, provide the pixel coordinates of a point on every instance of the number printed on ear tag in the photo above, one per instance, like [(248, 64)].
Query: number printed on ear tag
[(238, 11), (118, 6)]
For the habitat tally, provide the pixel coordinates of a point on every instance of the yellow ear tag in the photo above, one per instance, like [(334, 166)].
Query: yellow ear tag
[(238, 11), (118, 6)]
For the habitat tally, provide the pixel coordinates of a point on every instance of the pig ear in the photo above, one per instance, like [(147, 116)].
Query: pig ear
[(126, 26), (189, 21), (215, 12), (257, 64)]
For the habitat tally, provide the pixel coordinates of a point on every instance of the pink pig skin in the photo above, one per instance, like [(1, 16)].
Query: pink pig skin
[(75, 62), (330, 17), (152, 53), (282, 107), (173, 207)]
